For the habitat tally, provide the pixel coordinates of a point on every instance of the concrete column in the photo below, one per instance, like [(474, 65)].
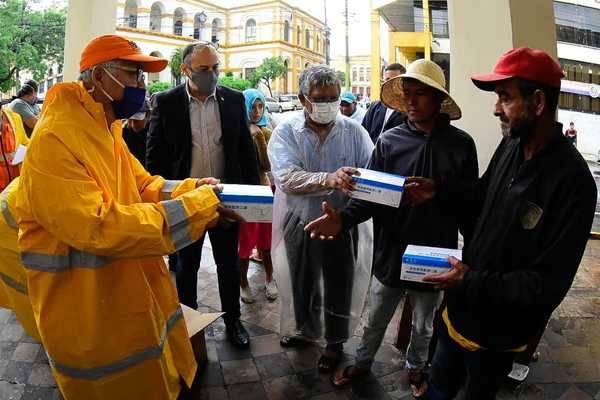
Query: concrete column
[(480, 32), (86, 19), (375, 54)]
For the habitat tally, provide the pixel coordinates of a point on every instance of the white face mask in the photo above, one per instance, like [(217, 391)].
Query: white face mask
[(324, 113)]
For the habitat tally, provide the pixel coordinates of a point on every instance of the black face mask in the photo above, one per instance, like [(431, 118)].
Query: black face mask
[(205, 81)]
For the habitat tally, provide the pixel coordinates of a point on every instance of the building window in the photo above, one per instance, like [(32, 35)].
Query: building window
[(199, 20), (585, 73), (368, 74), (299, 36), (131, 13), (248, 72), (577, 24), (361, 74), (50, 83), (354, 74), (286, 31), (318, 44), (42, 87), (216, 25), (307, 38), (59, 79), (156, 17), (178, 17), (250, 30)]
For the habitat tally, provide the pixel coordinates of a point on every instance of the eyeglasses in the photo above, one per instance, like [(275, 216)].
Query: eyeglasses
[(138, 71)]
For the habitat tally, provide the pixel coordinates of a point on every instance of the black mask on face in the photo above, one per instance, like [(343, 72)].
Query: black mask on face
[(205, 81)]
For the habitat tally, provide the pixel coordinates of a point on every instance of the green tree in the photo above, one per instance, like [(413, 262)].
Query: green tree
[(156, 87), (234, 83), (29, 40), (175, 64), (270, 69)]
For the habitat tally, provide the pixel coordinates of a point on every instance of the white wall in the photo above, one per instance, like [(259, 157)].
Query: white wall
[(588, 129)]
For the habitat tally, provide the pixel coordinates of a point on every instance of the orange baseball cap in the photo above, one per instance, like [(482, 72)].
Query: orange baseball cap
[(113, 47)]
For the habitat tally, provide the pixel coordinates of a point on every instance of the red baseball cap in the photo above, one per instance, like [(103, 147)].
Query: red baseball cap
[(113, 47), (525, 63)]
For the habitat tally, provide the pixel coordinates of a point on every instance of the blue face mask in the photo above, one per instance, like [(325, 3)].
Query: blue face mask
[(132, 101)]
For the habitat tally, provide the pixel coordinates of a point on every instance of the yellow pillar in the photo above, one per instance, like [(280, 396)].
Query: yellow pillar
[(86, 19), (498, 26), (375, 54)]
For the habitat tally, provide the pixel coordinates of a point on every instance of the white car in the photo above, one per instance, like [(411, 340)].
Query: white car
[(273, 105), (287, 103)]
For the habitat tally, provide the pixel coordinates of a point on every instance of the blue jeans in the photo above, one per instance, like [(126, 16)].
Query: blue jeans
[(480, 371), (383, 301)]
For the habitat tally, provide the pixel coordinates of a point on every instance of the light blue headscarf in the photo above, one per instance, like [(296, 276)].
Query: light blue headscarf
[(251, 95)]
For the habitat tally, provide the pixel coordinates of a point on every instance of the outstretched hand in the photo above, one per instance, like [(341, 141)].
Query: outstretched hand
[(451, 279), (342, 179), (327, 226)]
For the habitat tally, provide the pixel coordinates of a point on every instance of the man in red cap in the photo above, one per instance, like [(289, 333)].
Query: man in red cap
[(94, 226), (531, 213)]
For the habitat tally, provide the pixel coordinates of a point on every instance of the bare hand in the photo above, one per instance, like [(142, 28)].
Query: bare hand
[(342, 179), (254, 130), (418, 190), (451, 279), (217, 188), (207, 181), (327, 226)]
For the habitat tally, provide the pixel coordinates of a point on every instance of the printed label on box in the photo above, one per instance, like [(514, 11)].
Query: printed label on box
[(253, 202), (419, 261), (378, 187)]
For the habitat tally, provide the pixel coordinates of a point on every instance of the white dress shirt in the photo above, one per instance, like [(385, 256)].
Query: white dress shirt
[(208, 154)]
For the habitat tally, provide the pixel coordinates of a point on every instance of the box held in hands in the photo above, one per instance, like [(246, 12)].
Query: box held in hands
[(378, 187), (253, 202), (419, 261)]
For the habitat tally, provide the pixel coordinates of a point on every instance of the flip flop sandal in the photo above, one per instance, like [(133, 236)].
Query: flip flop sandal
[(418, 382), (329, 361), (347, 377)]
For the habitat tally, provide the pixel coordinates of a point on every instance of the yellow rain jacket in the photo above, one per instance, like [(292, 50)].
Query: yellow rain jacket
[(12, 273), (93, 228)]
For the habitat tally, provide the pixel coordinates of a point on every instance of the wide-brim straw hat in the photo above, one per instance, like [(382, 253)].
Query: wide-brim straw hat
[(426, 72)]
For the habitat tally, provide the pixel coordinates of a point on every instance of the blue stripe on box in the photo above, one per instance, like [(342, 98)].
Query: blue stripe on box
[(425, 260), (239, 198), (395, 188)]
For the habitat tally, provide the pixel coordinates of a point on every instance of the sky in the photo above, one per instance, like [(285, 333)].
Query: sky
[(360, 32)]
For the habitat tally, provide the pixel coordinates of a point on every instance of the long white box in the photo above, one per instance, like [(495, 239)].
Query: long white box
[(419, 261), (253, 202), (378, 187)]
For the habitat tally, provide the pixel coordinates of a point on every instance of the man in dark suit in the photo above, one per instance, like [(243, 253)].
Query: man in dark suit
[(379, 118), (199, 129)]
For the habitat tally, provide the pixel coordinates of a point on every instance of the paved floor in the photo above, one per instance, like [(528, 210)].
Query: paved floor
[(568, 369)]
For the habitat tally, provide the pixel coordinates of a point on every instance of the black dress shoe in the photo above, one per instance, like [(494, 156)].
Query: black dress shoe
[(237, 334)]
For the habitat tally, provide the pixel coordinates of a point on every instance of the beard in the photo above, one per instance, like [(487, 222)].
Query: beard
[(521, 127)]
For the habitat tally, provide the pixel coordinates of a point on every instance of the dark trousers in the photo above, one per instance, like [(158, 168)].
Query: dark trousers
[(225, 252), (481, 372), (309, 261)]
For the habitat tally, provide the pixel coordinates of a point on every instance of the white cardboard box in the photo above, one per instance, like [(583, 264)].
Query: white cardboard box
[(253, 202), (378, 187), (419, 261)]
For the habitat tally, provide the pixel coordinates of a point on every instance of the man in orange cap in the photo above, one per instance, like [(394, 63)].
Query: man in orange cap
[(532, 212), (94, 226)]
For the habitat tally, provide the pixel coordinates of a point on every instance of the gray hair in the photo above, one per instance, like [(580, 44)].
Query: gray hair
[(86, 76), (317, 75)]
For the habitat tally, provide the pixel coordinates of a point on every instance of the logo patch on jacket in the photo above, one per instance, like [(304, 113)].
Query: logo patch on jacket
[(531, 216)]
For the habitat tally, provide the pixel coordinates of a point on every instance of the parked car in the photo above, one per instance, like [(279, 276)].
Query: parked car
[(295, 100), (273, 105), (287, 103)]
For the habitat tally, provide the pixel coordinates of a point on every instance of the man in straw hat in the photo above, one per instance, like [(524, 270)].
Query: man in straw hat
[(425, 145), (94, 226), (532, 212)]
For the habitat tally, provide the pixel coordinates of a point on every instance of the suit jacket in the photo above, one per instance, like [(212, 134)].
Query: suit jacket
[(373, 120), (169, 146)]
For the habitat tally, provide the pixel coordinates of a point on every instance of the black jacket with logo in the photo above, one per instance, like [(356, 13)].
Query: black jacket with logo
[(448, 152), (534, 219)]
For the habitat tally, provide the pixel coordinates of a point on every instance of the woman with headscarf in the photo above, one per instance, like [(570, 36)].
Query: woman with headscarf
[(257, 234)]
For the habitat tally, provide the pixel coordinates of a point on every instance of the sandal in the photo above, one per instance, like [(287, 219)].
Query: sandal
[(418, 383), (347, 377), (291, 341), (329, 360)]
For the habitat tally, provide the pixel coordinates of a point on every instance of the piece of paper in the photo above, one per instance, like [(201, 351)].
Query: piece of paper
[(19, 155)]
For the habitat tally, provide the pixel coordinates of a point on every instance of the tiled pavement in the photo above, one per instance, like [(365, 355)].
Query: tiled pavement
[(568, 368)]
